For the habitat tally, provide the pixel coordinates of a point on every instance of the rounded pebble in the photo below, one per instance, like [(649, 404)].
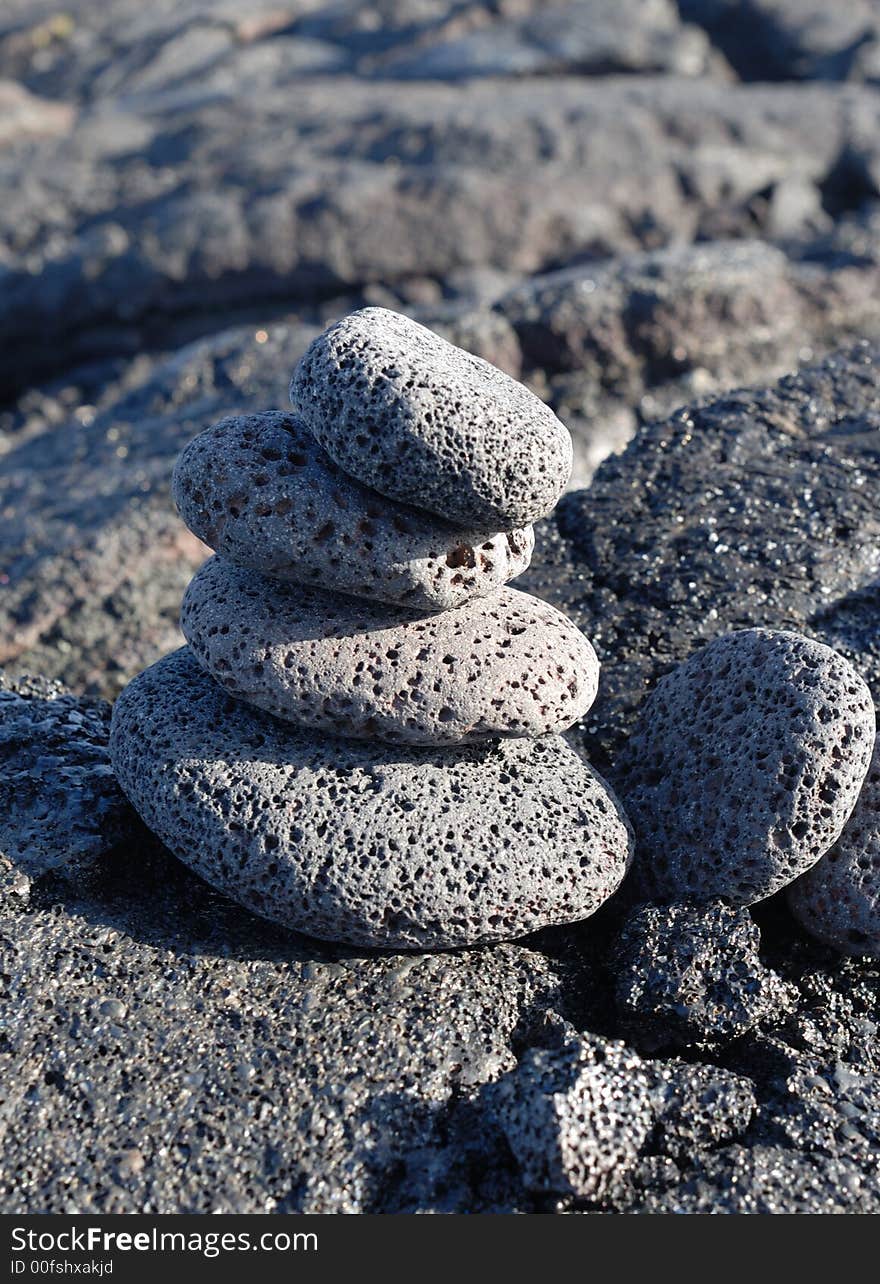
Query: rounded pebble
[(838, 900), (506, 665), (424, 422), (260, 490), (744, 765), (403, 848)]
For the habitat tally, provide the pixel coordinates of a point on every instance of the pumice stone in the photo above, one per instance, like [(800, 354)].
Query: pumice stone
[(426, 423), (260, 490), (838, 900), (744, 766), (506, 665), (400, 847)]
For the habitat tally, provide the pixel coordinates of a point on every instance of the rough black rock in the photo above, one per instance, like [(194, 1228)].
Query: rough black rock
[(764, 1179), (698, 1107), (59, 800), (576, 1116), (691, 975), (759, 508), (325, 1080)]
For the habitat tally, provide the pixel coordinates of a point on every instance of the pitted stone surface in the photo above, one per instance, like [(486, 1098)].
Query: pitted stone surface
[(506, 665), (756, 508), (576, 1116), (765, 1179), (835, 1111), (59, 800), (691, 975), (428, 424), (852, 626), (698, 1107), (259, 490), (744, 766), (838, 900), (408, 848)]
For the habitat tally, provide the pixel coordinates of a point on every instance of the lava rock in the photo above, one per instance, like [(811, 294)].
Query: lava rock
[(426, 423), (835, 1111), (259, 490), (745, 764), (575, 1116), (757, 508), (406, 848), (59, 800), (691, 975), (232, 1026), (852, 626), (505, 665), (698, 1107), (584, 35), (838, 900), (765, 1179), (794, 39), (176, 208)]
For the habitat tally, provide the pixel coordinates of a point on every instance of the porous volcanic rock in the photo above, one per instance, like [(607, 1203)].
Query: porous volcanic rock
[(691, 975), (744, 765), (757, 508), (575, 1116), (698, 1107), (852, 626), (764, 1179), (59, 800), (429, 424), (505, 665), (838, 900), (234, 1023), (406, 848), (259, 490)]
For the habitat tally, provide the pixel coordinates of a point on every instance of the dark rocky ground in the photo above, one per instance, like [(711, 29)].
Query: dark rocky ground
[(634, 207)]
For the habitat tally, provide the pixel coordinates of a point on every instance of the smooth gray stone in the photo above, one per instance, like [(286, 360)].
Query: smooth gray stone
[(427, 423), (744, 766), (838, 900), (260, 490), (404, 848), (506, 665)]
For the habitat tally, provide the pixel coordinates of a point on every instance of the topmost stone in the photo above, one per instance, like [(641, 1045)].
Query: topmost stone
[(422, 421)]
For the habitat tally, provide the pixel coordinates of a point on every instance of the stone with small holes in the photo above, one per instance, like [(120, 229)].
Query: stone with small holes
[(408, 848), (424, 422), (505, 665), (838, 900), (259, 490), (744, 765), (575, 1116), (698, 1107), (691, 976)]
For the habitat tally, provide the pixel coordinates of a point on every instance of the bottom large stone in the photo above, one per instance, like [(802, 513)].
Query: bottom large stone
[(366, 844)]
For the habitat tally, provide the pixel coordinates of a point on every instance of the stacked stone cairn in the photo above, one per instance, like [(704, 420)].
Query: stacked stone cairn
[(362, 739)]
